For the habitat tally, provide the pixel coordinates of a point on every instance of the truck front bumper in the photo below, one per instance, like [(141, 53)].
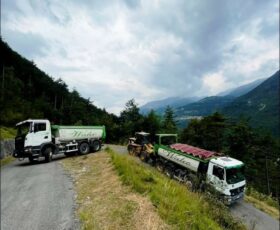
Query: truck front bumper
[(27, 152), (228, 200)]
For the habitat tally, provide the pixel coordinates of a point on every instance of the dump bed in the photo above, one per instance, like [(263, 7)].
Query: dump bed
[(186, 155), (194, 151), (69, 133)]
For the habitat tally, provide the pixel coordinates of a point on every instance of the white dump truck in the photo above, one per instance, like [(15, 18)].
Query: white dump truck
[(38, 138), (199, 168)]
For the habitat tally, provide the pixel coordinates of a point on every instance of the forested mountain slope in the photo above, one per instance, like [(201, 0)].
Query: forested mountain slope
[(28, 92), (204, 106), (159, 106), (261, 105)]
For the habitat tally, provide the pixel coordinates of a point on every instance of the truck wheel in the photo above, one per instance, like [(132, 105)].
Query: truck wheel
[(130, 150), (189, 185), (48, 154), (144, 157), (169, 172), (159, 166), (84, 148), (31, 160), (193, 182), (96, 145)]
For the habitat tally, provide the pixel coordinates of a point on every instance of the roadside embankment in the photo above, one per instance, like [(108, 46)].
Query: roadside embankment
[(103, 201), (7, 147), (6, 150), (175, 204)]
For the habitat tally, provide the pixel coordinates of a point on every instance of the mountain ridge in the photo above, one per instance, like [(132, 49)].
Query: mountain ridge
[(243, 89), (260, 105), (160, 105), (176, 103)]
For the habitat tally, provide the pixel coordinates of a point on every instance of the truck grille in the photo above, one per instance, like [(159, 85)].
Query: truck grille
[(236, 191)]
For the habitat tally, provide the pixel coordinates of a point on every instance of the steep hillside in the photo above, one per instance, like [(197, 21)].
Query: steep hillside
[(28, 92), (204, 106), (197, 110), (241, 90), (160, 105), (261, 105)]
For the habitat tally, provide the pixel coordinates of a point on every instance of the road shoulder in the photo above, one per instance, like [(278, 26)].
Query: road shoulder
[(103, 201)]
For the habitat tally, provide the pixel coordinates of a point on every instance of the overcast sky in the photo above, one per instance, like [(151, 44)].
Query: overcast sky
[(112, 51)]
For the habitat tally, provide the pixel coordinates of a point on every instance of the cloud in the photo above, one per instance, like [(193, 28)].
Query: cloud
[(146, 50), (215, 82)]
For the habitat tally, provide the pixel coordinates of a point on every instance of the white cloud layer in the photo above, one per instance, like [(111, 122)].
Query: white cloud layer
[(146, 49)]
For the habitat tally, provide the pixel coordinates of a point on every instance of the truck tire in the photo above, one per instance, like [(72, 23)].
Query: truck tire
[(84, 148), (189, 185), (96, 146), (48, 152), (169, 172), (144, 157), (159, 165), (193, 182), (31, 160), (130, 150)]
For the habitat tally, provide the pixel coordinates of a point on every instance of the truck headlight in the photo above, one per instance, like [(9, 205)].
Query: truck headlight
[(28, 149)]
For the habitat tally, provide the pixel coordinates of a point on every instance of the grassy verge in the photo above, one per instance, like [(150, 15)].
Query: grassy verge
[(6, 160), (103, 201), (263, 202), (7, 133), (179, 207)]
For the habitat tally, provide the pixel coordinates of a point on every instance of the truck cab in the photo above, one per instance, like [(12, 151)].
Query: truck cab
[(226, 175), (32, 136)]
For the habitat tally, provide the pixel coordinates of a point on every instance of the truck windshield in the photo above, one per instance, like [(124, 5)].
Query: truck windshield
[(235, 175), (23, 129)]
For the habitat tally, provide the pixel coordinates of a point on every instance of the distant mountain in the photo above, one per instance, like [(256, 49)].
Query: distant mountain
[(205, 109), (261, 105), (160, 105), (241, 90), (204, 106)]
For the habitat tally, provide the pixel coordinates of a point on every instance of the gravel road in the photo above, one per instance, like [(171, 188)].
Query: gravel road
[(37, 196), (252, 217)]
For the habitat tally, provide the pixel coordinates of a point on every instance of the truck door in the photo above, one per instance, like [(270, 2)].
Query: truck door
[(216, 177), (41, 133)]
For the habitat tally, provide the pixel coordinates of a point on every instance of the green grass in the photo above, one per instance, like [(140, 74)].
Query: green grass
[(7, 133), (266, 203), (175, 204), (262, 197), (6, 160)]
